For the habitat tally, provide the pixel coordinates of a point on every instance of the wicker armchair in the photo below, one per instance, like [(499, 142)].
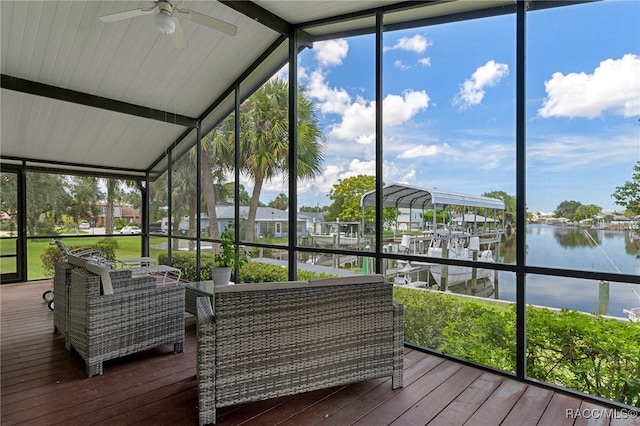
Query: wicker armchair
[(137, 316), (61, 285), (261, 341)]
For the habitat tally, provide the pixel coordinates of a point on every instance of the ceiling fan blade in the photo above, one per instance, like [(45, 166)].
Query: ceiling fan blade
[(210, 22), (179, 41), (127, 14)]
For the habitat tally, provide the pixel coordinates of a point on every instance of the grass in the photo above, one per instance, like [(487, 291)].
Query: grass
[(128, 246)]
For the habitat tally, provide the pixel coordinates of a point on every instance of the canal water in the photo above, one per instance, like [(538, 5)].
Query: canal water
[(580, 249)]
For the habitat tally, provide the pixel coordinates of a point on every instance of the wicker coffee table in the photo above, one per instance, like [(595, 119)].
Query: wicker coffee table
[(196, 289)]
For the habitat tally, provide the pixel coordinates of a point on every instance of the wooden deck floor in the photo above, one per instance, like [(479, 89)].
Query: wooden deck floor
[(43, 384)]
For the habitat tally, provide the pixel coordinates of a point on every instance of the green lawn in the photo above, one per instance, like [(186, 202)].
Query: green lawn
[(128, 246)]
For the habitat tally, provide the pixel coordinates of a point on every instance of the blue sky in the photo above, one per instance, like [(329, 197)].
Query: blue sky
[(449, 106)]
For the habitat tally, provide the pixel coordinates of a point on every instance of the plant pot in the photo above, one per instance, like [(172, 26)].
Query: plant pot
[(221, 275)]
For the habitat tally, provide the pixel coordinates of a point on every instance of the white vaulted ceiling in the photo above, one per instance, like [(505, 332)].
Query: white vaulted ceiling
[(64, 44), (81, 93)]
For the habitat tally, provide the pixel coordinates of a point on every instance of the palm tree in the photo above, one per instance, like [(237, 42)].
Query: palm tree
[(183, 182), (114, 187), (217, 159), (264, 150)]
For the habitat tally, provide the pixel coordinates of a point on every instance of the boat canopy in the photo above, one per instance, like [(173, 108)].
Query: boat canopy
[(412, 197)]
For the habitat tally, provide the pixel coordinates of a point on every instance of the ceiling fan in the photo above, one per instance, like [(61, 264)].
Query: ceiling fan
[(168, 24)]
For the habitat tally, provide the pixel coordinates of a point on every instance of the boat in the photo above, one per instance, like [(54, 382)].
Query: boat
[(634, 314), (484, 288), (457, 275), (334, 239)]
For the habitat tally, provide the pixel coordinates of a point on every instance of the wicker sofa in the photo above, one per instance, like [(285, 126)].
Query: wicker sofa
[(260, 341), (113, 318)]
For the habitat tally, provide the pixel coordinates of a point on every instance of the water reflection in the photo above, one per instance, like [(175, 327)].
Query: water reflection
[(578, 249), (574, 237)]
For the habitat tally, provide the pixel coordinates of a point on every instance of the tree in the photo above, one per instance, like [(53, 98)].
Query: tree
[(115, 192), (508, 200), (217, 160), (281, 202), (9, 200), (314, 209), (245, 198), (86, 195), (131, 197), (567, 209), (628, 195), (158, 200), (46, 198), (346, 196), (112, 186), (9, 192), (442, 216), (183, 197), (264, 140), (586, 212)]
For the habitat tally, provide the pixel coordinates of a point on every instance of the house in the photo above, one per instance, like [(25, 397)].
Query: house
[(409, 220), (270, 222), (125, 213), (314, 222)]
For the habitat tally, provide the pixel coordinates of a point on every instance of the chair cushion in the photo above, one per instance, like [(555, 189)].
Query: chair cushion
[(236, 288), (354, 279), (94, 268)]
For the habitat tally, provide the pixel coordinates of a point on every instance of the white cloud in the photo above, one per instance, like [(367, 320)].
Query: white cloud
[(358, 120), (398, 173), (472, 90), (331, 100), (357, 167), (417, 44), (614, 85), (401, 65), (423, 151), (335, 172), (398, 110), (331, 52), (426, 62), (566, 153)]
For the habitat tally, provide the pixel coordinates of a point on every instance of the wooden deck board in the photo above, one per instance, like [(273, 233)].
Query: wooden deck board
[(530, 407), (466, 404), (44, 384)]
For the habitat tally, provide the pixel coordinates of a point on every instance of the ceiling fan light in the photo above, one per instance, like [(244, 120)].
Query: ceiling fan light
[(165, 23)]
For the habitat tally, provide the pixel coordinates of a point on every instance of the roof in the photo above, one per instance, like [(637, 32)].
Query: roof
[(405, 196), (470, 218), (263, 214), (81, 94)]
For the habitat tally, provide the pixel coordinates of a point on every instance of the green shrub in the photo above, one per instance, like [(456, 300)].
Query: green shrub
[(46, 227), (426, 314), (186, 262), (252, 272), (485, 335), (52, 254), (588, 353)]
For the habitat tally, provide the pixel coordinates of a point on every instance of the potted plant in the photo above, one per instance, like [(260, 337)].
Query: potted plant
[(226, 260)]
